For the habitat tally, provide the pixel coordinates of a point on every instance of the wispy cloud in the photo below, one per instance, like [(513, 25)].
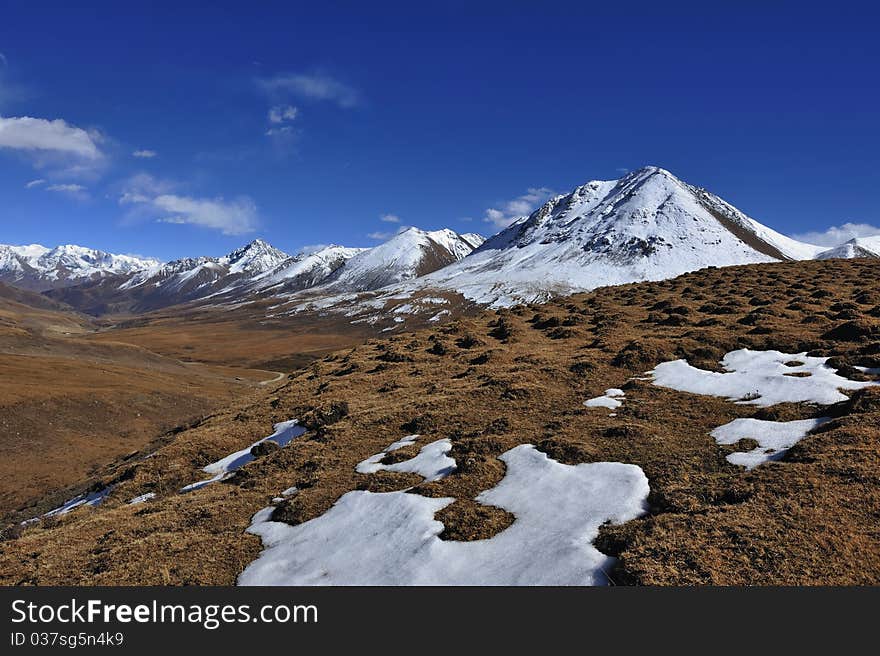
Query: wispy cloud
[(384, 236), (35, 183), (144, 154), (159, 200), (281, 133), (281, 130), (314, 86), (282, 113), (836, 235), (509, 211), (143, 187), (73, 190), (312, 248), (234, 217), (390, 218), (38, 134), (66, 188)]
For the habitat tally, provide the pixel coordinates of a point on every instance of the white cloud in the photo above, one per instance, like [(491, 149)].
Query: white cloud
[(384, 236), (235, 217), (314, 87), (3, 60), (144, 154), (67, 188), (35, 183), (390, 218), (142, 188), (282, 113), (282, 131), (836, 235), (38, 134), (520, 206), (150, 197), (73, 190)]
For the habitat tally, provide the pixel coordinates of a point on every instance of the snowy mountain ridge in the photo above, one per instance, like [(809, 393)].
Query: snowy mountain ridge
[(649, 225), (38, 268)]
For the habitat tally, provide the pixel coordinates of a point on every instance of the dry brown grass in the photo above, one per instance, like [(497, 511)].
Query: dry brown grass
[(496, 380), (70, 405)]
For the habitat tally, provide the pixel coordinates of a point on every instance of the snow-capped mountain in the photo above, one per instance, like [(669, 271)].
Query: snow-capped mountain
[(38, 268), (649, 225), (189, 275), (408, 255), (306, 269), (858, 247), (175, 282), (259, 270)]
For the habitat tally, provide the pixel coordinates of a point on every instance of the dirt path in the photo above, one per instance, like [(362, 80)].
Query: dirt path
[(277, 379)]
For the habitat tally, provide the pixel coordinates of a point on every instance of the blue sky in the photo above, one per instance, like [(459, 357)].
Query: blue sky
[(307, 125)]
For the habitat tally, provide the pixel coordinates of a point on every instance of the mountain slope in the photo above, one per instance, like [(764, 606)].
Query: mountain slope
[(648, 225), (37, 268), (305, 270), (410, 254)]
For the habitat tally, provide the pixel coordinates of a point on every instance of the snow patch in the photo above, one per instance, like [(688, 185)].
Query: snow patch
[(141, 498), (774, 438), (762, 378), (284, 433), (391, 538), (432, 462), (611, 399), (92, 498)]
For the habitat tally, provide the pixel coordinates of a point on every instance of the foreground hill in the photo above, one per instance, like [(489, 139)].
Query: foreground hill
[(435, 411)]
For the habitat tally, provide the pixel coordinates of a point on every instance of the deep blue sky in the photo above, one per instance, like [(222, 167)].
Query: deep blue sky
[(433, 115)]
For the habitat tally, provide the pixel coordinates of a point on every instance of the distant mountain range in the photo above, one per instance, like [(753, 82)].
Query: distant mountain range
[(649, 225), (38, 268)]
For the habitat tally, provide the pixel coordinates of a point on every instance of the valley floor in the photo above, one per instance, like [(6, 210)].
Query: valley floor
[(478, 389)]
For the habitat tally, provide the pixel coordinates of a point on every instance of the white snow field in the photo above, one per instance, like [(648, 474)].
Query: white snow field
[(284, 433), (391, 538), (762, 378), (611, 400), (432, 462), (774, 438)]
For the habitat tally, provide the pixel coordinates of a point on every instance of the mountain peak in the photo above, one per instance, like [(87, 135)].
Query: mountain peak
[(256, 256), (648, 225)]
